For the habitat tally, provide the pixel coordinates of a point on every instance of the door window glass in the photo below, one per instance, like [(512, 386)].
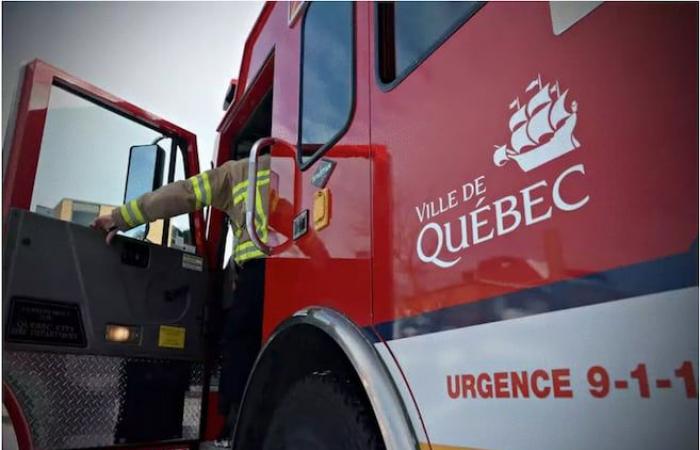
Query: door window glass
[(327, 76), (179, 232), (84, 155), (409, 31), (83, 164)]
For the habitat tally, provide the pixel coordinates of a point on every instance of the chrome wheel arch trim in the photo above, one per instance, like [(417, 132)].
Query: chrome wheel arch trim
[(387, 405)]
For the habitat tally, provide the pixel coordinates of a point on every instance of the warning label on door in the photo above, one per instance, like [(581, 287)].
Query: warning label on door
[(171, 337)]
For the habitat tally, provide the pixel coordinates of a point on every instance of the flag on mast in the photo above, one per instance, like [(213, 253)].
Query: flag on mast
[(534, 84), (555, 89), (531, 86)]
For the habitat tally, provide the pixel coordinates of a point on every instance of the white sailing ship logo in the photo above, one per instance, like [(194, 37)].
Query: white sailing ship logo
[(541, 130)]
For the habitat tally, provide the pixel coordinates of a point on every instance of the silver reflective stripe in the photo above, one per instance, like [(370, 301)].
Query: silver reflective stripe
[(197, 192), (126, 216), (135, 212)]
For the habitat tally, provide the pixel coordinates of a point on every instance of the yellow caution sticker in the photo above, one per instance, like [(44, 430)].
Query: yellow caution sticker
[(171, 337)]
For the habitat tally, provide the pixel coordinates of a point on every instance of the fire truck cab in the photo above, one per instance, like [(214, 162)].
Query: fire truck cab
[(484, 235)]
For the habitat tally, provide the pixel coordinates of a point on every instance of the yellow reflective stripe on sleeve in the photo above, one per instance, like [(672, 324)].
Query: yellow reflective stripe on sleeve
[(197, 192), (134, 207), (237, 198), (207, 189), (126, 216), (243, 185), (240, 187)]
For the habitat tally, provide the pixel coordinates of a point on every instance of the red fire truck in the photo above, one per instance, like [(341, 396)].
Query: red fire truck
[(490, 238)]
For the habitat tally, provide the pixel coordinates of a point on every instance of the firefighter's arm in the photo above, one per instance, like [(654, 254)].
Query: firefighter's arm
[(210, 188)]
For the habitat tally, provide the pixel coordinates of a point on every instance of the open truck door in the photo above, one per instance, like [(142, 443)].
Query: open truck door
[(103, 345)]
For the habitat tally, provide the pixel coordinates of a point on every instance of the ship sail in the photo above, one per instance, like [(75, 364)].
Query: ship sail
[(559, 113), (538, 100), (500, 156), (539, 123), (544, 114), (517, 118), (520, 139)]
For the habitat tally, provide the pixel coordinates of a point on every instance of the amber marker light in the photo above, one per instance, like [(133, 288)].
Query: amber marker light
[(118, 333)]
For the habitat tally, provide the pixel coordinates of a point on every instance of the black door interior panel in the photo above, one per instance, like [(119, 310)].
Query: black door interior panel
[(63, 285)]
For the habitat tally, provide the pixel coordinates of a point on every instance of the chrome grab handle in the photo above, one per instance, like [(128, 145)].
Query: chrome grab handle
[(252, 190)]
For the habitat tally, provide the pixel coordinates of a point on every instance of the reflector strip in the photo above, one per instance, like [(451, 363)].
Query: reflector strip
[(207, 189), (197, 192), (126, 216), (134, 207)]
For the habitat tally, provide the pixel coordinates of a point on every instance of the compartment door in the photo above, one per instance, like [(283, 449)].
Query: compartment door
[(102, 345)]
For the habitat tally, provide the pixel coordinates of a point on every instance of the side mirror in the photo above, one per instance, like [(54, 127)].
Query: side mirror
[(230, 93), (145, 174)]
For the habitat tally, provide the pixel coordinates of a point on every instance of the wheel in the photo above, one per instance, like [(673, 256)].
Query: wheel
[(322, 412)]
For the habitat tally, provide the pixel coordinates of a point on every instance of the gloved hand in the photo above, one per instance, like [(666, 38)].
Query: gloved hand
[(106, 224)]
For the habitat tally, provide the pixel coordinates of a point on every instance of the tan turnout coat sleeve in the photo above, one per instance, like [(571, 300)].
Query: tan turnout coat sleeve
[(223, 187)]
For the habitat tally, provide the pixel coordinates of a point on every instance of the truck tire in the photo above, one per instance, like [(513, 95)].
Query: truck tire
[(322, 412)]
